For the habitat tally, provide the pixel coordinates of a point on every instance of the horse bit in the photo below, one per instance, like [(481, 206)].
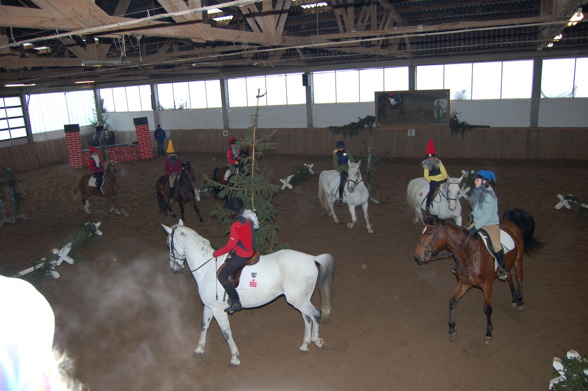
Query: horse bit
[(175, 260)]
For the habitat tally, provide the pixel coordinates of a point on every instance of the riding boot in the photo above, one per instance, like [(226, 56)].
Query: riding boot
[(501, 266), (429, 202), (235, 303), (340, 200)]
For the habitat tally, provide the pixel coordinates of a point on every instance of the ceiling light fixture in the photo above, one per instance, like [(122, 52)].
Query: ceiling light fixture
[(19, 85), (223, 18), (314, 5), (576, 17)]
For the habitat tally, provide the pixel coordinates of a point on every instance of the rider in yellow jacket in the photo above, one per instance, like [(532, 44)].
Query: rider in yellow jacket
[(434, 172)]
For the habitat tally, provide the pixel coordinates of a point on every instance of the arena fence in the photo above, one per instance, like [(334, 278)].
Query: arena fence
[(482, 143)]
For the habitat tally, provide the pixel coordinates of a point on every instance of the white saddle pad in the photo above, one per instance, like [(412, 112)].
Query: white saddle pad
[(505, 240), (92, 181)]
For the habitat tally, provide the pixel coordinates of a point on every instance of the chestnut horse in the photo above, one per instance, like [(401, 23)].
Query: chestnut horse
[(184, 192), (474, 264), (84, 189)]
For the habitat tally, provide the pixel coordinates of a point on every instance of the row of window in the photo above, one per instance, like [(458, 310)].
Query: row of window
[(486, 80)]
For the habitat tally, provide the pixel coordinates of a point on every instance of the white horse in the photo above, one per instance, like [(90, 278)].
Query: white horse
[(445, 205), (355, 193), (286, 272)]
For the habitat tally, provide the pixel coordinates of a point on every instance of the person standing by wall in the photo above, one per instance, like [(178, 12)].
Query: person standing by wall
[(159, 135)]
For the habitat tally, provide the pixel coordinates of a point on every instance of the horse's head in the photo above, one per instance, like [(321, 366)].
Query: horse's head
[(354, 176), (432, 239), (453, 188), (110, 166), (177, 254), (189, 171)]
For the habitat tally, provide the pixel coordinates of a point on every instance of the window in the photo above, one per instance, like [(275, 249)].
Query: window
[(486, 80), (458, 79), (324, 87), (49, 112), (557, 78), (347, 86), (517, 79), (396, 79), (429, 77), (12, 123), (132, 98), (370, 81), (581, 79)]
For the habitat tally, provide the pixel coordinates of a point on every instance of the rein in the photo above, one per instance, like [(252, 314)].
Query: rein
[(177, 259)]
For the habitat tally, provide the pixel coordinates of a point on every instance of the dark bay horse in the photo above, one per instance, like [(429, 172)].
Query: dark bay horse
[(110, 189), (474, 264), (184, 192), (221, 175)]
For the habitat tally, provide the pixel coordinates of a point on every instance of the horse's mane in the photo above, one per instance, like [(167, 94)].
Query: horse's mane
[(189, 231)]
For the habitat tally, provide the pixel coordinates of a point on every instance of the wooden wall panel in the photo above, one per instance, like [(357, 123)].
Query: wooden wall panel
[(482, 143)]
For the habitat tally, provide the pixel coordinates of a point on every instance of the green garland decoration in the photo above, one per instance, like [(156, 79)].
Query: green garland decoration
[(461, 127), (582, 205), (354, 128), (300, 173), (80, 238)]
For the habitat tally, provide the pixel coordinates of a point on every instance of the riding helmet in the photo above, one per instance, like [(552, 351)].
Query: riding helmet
[(232, 140), (236, 205), (93, 150), (486, 174), (340, 144)]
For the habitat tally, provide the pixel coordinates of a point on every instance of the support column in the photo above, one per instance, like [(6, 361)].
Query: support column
[(143, 137), (74, 145)]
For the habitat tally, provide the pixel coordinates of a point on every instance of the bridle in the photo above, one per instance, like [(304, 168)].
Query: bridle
[(176, 259), (433, 254), (355, 182)]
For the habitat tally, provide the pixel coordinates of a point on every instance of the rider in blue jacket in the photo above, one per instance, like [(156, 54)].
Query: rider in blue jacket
[(484, 205)]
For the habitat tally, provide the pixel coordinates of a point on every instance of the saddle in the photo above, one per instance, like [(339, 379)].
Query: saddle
[(235, 277), (505, 240)]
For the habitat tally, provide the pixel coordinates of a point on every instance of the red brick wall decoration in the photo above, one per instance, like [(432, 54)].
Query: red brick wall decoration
[(143, 137), (74, 145)]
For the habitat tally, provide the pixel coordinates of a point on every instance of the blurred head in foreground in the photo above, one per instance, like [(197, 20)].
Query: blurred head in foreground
[(28, 361)]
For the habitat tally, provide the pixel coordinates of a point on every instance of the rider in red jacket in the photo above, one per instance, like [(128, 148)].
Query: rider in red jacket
[(241, 246), (97, 168)]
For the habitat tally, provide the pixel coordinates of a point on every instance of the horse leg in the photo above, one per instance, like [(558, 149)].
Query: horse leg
[(488, 311), (86, 204), (311, 316), (367, 218), (460, 290), (195, 205), (332, 212), (353, 218), (182, 210), (222, 318), (204, 325), (517, 294)]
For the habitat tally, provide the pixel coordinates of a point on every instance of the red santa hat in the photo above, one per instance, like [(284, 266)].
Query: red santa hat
[(431, 149), (232, 140)]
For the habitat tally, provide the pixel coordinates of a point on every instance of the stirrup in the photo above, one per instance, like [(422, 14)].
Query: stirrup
[(234, 307), (339, 202), (502, 274), (453, 269)]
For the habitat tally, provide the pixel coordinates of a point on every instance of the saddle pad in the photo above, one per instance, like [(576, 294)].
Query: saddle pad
[(250, 277), (505, 240), (92, 181)]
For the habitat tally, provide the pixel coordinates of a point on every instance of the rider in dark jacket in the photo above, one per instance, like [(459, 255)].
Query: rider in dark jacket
[(341, 160), (97, 168)]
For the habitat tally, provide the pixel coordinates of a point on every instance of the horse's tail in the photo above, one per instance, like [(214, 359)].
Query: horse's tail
[(322, 196), (526, 223), (325, 284), (76, 193)]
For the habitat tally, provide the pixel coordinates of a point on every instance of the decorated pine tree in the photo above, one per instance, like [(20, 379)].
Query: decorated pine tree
[(252, 186)]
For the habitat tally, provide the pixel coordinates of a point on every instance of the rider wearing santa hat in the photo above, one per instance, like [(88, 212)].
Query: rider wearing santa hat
[(434, 172)]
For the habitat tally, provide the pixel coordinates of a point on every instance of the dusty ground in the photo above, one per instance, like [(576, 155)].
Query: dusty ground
[(131, 324)]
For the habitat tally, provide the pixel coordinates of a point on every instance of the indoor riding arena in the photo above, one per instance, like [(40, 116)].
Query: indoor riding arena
[(131, 324), (497, 86)]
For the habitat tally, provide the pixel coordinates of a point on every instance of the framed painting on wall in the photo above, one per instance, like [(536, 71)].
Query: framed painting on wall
[(412, 108)]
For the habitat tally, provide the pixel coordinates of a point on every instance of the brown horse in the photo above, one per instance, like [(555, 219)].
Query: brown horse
[(109, 188), (184, 192), (474, 264)]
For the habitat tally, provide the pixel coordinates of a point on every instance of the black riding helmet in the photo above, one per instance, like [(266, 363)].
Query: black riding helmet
[(235, 206)]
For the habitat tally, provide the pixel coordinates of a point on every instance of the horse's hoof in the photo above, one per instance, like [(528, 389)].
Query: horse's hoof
[(304, 347), (319, 342), (453, 336), (488, 339), (371, 231), (197, 354), (234, 362)]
